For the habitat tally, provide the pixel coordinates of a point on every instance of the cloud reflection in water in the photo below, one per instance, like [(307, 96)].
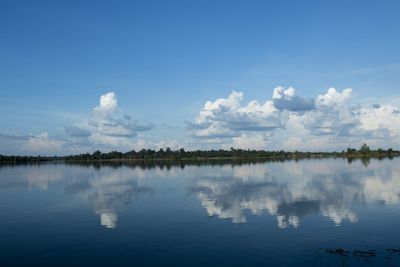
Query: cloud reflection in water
[(289, 191), (293, 190)]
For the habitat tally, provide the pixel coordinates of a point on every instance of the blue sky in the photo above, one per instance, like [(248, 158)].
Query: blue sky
[(163, 60)]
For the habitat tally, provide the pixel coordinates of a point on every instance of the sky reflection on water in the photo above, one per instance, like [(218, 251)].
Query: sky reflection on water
[(288, 191), (275, 214)]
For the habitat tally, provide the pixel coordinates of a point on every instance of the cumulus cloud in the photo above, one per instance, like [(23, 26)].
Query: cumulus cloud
[(107, 126), (381, 119), (108, 103), (333, 98), (331, 115), (289, 100), (296, 119), (284, 120), (227, 117)]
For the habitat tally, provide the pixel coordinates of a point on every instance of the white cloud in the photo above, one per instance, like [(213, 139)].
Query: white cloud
[(289, 100), (331, 115), (42, 143), (380, 119), (333, 98), (286, 120), (30, 144), (293, 122), (108, 103), (108, 127), (227, 118)]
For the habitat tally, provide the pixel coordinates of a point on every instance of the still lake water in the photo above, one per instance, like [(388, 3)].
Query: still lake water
[(270, 214)]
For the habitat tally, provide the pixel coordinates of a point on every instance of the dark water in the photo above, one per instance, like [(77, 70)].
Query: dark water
[(265, 214)]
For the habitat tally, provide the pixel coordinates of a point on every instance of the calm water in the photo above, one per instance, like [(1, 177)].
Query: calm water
[(271, 214)]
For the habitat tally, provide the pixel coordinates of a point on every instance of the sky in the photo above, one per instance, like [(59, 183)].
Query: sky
[(77, 76)]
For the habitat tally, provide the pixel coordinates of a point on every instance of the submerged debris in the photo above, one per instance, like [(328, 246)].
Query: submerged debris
[(365, 253), (338, 252), (393, 250), (356, 257)]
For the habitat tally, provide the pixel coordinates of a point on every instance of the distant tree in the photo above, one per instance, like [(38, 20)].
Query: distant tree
[(351, 150), (365, 149), (168, 153), (97, 154)]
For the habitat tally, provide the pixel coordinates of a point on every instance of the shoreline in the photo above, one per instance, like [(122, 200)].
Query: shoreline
[(290, 157)]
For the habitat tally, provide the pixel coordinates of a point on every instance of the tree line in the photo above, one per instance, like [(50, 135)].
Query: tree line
[(181, 154)]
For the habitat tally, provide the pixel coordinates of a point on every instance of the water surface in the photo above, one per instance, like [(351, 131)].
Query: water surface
[(275, 214)]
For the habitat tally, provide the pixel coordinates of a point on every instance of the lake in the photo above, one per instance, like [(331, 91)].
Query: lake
[(327, 212)]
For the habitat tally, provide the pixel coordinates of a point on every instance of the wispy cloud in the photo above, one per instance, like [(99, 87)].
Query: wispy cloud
[(36, 144)]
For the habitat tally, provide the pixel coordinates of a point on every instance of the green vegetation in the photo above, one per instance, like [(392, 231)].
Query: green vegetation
[(181, 154)]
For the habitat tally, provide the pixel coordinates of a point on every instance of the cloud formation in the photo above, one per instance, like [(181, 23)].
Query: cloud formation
[(32, 144), (77, 132), (289, 118), (228, 118), (107, 126), (287, 99), (42, 142), (331, 116)]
